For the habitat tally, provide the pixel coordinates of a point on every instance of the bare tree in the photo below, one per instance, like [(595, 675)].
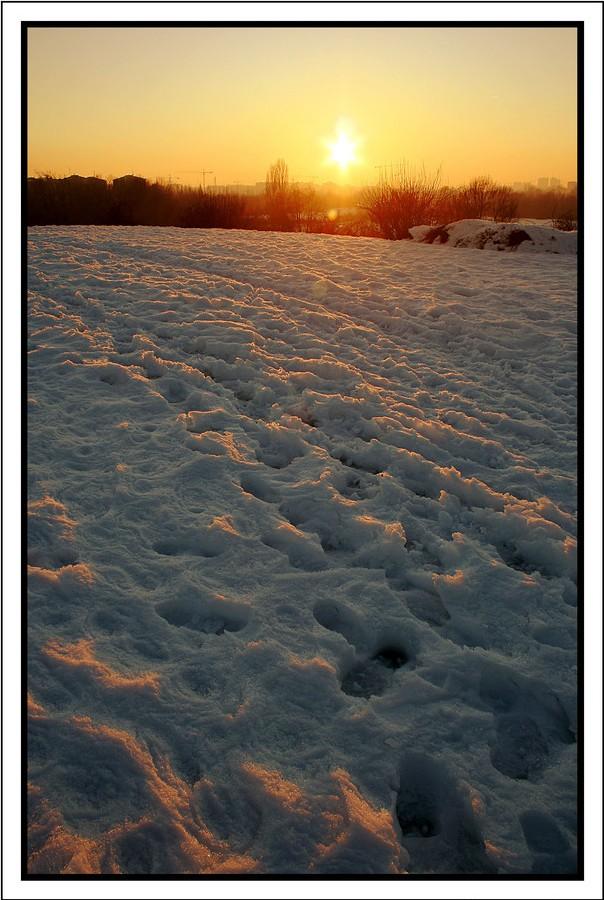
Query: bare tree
[(277, 195)]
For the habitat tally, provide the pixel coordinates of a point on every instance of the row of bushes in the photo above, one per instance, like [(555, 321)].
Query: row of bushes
[(411, 199), (387, 210), (128, 201)]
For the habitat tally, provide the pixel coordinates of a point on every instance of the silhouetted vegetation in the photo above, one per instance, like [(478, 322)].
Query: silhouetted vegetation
[(293, 207), (68, 201), (129, 200), (387, 210), (278, 197), (566, 221), (397, 205), (535, 204)]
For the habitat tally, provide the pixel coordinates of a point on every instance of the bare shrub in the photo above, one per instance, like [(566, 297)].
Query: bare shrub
[(397, 204), (449, 205), (476, 197), (311, 214), (565, 221), (563, 211), (482, 198), (504, 203), (205, 210)]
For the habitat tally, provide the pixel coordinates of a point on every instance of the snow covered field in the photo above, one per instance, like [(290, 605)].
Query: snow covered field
[(302, 555)]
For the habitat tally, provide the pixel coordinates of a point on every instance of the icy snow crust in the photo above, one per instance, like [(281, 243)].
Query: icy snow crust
[(302, 555)]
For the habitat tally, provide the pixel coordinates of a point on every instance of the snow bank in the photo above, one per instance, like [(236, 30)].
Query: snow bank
[(483, 234), (302, 555)]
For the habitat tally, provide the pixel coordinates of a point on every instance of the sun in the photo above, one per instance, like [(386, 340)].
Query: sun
[(342, 149)]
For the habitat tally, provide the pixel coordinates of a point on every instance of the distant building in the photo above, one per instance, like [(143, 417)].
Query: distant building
[(84, 180), (129, 199), (543, 184), (238, 188), (554, 182), (74, 200), (129, 182), (571, 187)]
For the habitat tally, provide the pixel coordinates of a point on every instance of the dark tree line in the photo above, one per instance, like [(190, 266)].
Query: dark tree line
[(387, 210), (129, 200)]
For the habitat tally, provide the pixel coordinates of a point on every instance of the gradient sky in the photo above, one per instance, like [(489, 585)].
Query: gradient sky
[(169, 102)]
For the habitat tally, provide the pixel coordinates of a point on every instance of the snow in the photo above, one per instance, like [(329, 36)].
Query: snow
[(302, 555), (484, 234)]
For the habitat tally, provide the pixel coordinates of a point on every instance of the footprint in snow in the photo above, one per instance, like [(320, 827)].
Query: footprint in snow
[(355, 486), (371, 675), (553, 854), (279, 447), (208, 614), (192, 544), (370, 678), (338, 617), (438, 825), (520, 750), (426, 607), (530, 723)]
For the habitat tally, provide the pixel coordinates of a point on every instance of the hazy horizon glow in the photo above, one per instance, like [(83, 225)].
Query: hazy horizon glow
[(170, 102)]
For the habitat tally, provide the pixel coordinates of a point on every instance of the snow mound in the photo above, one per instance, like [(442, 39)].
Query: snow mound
[(482, 234), (302, 555)]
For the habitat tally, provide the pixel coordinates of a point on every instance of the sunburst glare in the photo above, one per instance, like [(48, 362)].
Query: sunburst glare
[(344, 147)]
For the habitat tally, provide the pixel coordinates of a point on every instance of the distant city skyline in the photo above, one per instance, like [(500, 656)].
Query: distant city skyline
[(543, 183)]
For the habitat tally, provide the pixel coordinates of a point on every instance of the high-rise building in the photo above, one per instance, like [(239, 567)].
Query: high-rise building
[(543, 184)]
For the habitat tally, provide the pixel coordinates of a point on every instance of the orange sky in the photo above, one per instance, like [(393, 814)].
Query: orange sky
[(170, 102)]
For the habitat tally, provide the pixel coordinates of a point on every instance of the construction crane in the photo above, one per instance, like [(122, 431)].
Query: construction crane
[(202, 172)]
